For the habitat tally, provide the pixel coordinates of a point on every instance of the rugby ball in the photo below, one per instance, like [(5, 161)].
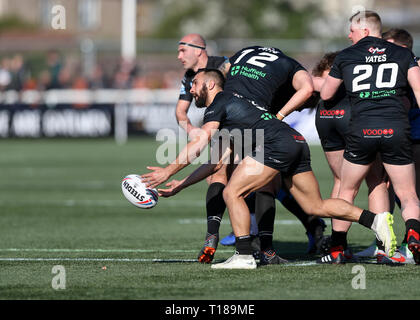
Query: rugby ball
[(136, 192)]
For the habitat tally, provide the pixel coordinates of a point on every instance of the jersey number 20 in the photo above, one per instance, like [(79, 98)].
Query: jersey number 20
[(365, 71)]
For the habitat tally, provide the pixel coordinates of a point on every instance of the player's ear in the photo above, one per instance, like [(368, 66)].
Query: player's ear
[(366, 32), (211, 84)]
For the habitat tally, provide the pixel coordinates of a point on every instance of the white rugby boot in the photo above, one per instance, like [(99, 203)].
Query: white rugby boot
[(237, 261), (382, 226)]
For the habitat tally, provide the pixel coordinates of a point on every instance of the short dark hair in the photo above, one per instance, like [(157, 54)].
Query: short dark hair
[(215, 74), (370, 17), (325, 63), (400, 36)]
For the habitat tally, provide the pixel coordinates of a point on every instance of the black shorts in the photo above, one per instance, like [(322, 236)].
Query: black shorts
[(285, 150), (390, 138), (332, 125)]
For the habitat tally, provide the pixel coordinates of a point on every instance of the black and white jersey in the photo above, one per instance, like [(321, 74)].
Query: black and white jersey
[(261, 74), (213, 62), (374, 72)]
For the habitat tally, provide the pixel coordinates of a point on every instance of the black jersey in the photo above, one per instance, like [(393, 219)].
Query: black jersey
[(374, 72), (213, 62), (284, 149), (258, 73)]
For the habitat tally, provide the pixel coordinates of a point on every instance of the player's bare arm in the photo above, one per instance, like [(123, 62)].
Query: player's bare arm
[(224, 67), (302, 82), (181, 115), (330, 87), (318, 83), (413, 77), (198, 175), (190, 152)]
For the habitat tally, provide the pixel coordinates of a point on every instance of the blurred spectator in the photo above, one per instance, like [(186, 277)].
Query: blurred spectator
[(5, 76), (66, 72), (98, 79), (54, 68), (18, 72)]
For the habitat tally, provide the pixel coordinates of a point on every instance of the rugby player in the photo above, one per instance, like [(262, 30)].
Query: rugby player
[(284, 150), (193, 56), (403, 38), (332, 121), (375, 74)]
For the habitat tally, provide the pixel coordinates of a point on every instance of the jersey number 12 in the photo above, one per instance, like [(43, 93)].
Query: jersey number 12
[(257, 59)]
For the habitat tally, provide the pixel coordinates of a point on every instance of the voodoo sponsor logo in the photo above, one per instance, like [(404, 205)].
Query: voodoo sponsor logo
[(338, 114), (378, 133)]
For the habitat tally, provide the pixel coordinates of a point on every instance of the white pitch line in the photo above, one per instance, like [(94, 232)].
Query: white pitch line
[(98, 203), (103, 250), (95, 260), (291, 264), (276, 222)]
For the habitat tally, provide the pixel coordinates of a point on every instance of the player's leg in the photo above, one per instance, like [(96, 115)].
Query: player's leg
[(249, 176), (339, 228), (351, 178), (335, 161), (304, 187), (403, 181), (314, 226), (379, 201), (416, 157), (265, 212), (215, 208)]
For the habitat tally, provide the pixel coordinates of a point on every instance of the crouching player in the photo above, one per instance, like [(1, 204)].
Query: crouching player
[(285, 151)]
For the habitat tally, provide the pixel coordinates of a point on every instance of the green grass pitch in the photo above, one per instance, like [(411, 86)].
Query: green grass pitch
[(61, 204)]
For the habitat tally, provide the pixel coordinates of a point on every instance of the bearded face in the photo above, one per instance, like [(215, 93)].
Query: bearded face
[(201, 96)]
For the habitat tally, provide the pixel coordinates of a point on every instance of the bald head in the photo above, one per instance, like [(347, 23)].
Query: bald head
[(192, 51), (194, 39)]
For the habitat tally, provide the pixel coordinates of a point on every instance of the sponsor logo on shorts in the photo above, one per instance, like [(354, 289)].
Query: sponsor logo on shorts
[(275, 160), (328, 114), (378, 133)]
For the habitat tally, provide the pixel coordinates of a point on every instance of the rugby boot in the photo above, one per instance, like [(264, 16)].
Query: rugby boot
[(403, 249), (270, 257), (336, 256), (397, 258), (315, 236), (229, 240), (237, 261), (413, 243), (206, 254), (369, 252), (382, 226)]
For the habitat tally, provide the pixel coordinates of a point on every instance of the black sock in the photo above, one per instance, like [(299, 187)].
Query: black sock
[(243, 244), (339, 238), (366, 218), (265, 212), (215, 206)]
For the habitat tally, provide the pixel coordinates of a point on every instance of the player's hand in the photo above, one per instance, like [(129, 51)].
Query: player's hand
[(172, 189), (156, 177)]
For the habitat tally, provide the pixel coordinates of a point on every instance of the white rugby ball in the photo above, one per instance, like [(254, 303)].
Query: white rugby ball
[(137, 193)]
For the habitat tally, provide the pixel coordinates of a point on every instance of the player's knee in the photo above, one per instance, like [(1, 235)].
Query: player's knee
[(227, 193), (230, 193)]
